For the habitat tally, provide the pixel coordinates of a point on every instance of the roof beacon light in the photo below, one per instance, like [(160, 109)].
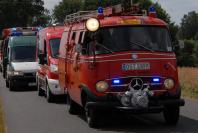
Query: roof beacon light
[(92, 24), (100, 13), (152, 11)]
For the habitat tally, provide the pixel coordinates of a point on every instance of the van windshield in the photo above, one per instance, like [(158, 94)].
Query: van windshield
[(128, 38), (23, 54), (54, 45)]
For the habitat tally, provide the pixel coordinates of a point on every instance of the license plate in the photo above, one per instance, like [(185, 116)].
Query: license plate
[(135, 66), (31, 84)]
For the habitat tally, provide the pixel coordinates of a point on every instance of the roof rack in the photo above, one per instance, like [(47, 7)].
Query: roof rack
[(109, 11)]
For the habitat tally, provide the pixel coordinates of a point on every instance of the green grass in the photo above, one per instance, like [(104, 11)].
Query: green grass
[(2, 124)]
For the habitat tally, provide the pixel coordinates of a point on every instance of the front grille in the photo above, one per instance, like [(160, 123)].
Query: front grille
[(125, 82), (29, 74)]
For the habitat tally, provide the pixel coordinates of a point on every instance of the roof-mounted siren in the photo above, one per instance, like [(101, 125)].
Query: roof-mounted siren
[(100, 13), (152, 12)]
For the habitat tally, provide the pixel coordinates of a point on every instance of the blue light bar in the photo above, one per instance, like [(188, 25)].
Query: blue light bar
[(16, 34), (156, 80), (116, 81), (152, 9), (100, 10)]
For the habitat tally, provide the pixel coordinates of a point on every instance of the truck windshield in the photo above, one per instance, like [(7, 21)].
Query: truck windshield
[(23, 54), (55, 44), (132, 38)]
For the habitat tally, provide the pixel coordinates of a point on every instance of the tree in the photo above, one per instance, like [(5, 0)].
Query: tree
[(189, 26), (19, 12)]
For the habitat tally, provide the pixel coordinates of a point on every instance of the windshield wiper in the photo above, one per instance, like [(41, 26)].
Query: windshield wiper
[(140, 45), (105, 48)]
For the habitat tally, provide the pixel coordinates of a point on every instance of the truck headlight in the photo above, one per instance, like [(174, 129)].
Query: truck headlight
[(53, 68), (169, 83), (102, 86)]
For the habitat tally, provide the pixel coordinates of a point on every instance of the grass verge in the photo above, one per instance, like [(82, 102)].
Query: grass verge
[(189, 82), (2, 125)]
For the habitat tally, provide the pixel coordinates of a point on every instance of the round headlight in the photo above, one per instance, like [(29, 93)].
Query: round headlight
[(102, 86), (92, 24), (169, 83)]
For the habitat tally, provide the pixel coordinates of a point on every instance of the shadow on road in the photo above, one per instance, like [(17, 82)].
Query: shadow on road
[(153, 123)]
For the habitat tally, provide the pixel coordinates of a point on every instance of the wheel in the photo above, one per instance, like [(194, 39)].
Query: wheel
[(171, 115), (11, 86), (49, 96), (92, 118), (73, 107), (40, 91)]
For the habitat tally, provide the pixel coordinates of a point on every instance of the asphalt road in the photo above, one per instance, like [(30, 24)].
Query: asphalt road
[(25, 112)]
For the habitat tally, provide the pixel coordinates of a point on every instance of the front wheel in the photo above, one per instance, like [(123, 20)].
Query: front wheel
[(92, 118), (11, 86), (49, 96), (40, 91), (73, 107), (171, 115)]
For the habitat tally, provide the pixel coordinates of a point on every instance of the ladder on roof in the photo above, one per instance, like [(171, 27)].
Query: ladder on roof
[(84, 15), (113, 10)]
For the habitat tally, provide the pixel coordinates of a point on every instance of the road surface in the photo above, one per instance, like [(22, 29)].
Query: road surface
[(25, 112)]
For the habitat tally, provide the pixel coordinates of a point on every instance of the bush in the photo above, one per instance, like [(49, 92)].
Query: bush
[(188, 56)]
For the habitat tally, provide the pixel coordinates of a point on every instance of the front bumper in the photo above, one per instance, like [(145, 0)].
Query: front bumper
[(55, 87), (156, 107), (23, 80)]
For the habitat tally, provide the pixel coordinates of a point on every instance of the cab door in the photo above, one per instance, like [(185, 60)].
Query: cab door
[(62, 63)]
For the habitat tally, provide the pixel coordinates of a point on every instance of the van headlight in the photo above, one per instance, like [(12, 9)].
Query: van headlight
[(102, 86), (53, 68), (15, 73), (169, 83)]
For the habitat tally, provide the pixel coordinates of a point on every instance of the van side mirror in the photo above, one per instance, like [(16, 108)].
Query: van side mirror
[(41, 58), (5, 61)]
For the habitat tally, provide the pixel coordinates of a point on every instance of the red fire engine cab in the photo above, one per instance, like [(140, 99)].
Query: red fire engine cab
[(48, 42), (119, 60)]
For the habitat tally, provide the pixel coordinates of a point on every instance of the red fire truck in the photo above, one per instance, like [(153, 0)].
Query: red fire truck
[(47, 50), (5, 34), (119, 60)]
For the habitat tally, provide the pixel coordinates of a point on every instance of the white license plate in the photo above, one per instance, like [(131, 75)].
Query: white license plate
[(135, 66), (31, 84)]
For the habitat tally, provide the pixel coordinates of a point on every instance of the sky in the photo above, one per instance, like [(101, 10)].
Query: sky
[(175, 8)]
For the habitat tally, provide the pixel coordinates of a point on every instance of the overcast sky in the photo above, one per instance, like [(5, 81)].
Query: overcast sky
[(176, 8)]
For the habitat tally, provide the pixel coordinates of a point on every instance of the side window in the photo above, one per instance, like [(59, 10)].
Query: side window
[(40, 45), (45, 52), (73, 37), (63, 43), (86, 45), (80, 40)]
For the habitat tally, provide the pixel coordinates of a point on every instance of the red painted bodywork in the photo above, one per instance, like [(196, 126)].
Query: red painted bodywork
[(45, 35), (108, 66), (5, 34)]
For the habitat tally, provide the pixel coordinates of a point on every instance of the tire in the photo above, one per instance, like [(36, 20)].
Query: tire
[(171, 115), (11, 86), (49, 96), (73, 107), (40, 91), (92, 118)]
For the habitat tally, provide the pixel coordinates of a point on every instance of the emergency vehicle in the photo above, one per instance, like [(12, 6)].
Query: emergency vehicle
[(19, 58), (117, 59), (48, 42), (5, 34)]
